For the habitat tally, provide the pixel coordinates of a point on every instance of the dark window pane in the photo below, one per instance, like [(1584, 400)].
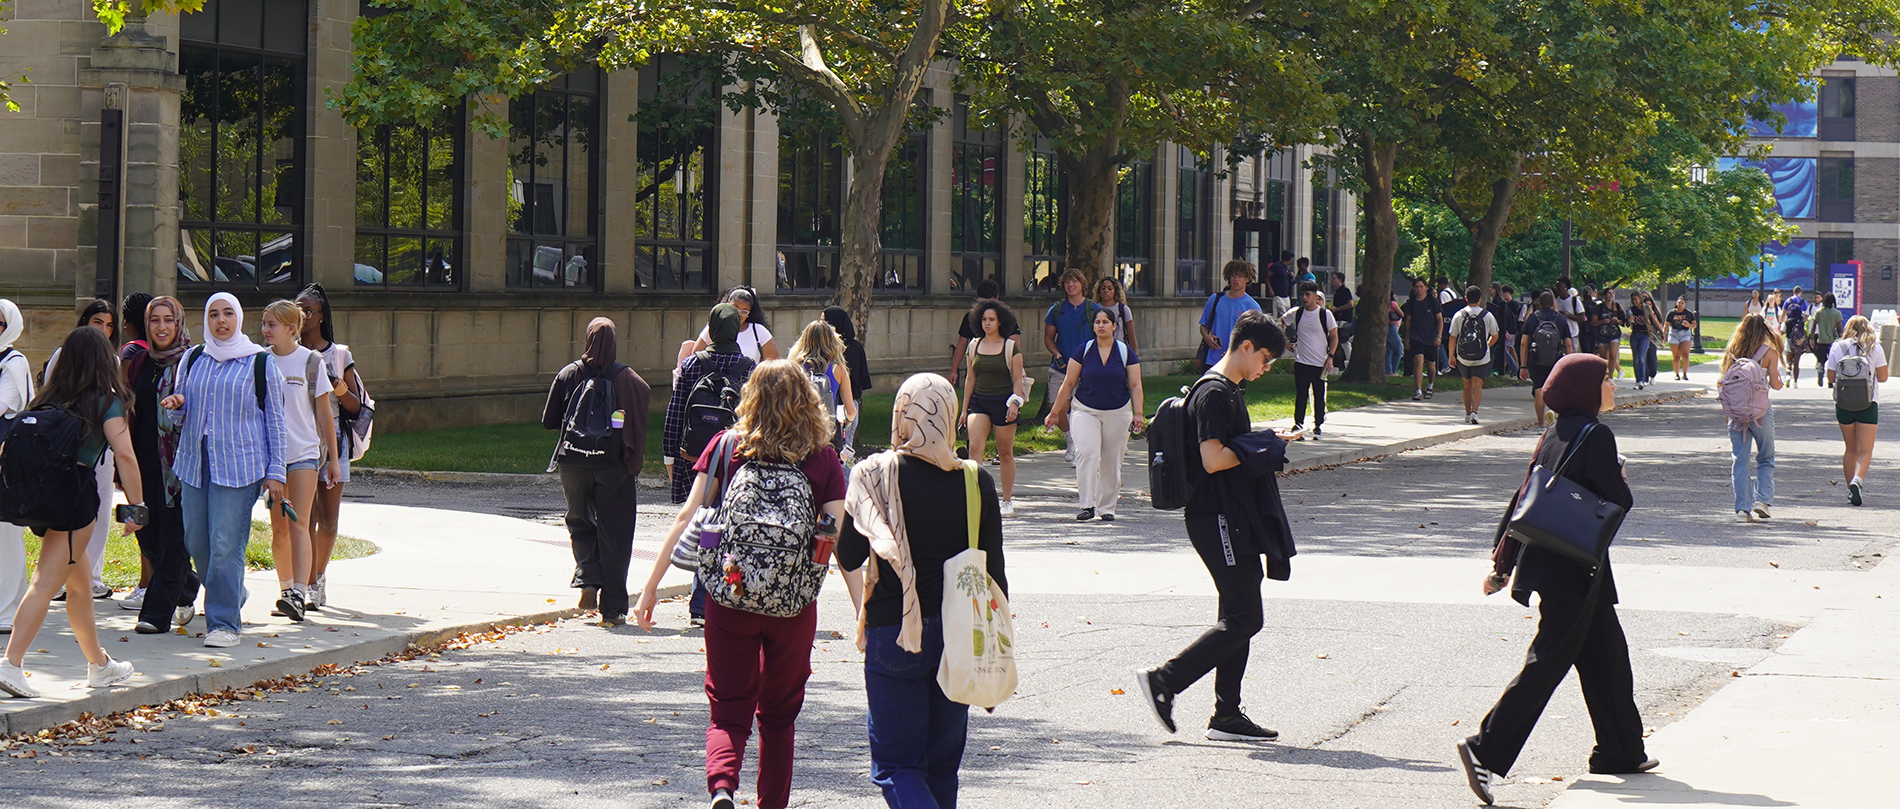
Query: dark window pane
[(276, 258), (369, 260), (441, 174), (197, 131), (237, 136), (439, 257), (200, 25), (241, 23), (370, 169), (406, 169), (286, 26), (550, 162), (196, 250), (236, 258), (405, 260), (282, 185), (579, 205), (521, 163), (520, 262)]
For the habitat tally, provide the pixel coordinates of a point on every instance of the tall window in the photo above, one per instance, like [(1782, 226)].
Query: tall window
[(240, 144), (554, 196), (673, 208), (1045, 206), (810, 206), (901, 234), (1134, 226), (1827, 253), (1325, 220), (1837, 108), (408, 204), (1193, 226), (1836, 190), (976, 176)]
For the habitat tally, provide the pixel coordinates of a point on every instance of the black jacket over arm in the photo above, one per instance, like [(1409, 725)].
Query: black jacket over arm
[(1596, 468)]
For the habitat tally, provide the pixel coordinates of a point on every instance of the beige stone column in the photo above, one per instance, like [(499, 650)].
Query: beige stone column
[(1220, 246), (330, 200), (761, 203), (730, 247), (485, 201), (1010, 208), (939, 153), (1166, 221), (620, 181)]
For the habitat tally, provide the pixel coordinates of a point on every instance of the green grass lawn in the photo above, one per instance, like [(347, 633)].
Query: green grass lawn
[(122, 553)]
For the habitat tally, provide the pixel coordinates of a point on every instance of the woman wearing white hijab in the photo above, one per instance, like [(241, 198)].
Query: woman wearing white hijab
[(906, 513), (16, 389), (231, 397)]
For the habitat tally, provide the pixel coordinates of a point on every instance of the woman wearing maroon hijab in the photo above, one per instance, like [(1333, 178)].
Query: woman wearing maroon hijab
[(1578, 624), (602, 494)]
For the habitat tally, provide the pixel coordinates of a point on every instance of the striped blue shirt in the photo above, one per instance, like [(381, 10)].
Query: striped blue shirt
[(221, 417)]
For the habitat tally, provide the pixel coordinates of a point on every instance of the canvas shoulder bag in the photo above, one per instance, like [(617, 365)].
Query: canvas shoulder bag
[(979, 662)]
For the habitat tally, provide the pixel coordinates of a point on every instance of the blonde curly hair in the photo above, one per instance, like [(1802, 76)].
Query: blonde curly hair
[(780, 417)]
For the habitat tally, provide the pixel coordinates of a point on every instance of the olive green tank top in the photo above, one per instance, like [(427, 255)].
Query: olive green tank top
[(991, 373)]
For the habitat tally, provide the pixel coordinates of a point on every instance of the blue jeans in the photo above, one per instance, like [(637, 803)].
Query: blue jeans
[(1764, 488), (1394, 350), (1641, 357), (917, 733), (217, 527)]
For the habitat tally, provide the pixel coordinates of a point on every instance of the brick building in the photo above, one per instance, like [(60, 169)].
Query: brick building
[(464, 268)]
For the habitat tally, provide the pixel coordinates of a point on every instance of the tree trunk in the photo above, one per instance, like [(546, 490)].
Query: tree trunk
[(1488, 230), (1376, 165), (1092, 180)]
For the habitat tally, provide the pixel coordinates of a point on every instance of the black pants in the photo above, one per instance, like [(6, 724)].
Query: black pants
[(162, 542), (1309, 378), (1603, 668), (602, 505), (1222, 649)]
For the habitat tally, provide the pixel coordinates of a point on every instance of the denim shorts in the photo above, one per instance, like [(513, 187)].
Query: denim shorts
[(310, 465), (1680, 336)]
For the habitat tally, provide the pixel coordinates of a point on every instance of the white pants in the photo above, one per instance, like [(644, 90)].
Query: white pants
[(13, 578), (1101, 439), (102, 527)]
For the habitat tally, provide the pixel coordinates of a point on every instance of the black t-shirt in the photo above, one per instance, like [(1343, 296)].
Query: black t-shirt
[(1341, 297), (1280, 280), (1424, 314), (936, 520), (1684, 319), (1218, 410), (968, 330)]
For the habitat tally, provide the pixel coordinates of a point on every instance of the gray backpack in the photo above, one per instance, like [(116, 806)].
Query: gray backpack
[(763, 563), (1854, 380)]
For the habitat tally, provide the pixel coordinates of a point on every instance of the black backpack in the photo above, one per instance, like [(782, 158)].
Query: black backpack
[(1171, 448), (713, 403), (1547, 341), (1472, 338), (44, 484), (588, 436)]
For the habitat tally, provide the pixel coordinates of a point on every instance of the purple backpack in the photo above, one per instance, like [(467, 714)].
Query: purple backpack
[(1744, 391)]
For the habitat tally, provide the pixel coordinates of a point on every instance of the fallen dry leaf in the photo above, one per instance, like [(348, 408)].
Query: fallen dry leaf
[(1116, 691), (334, 722), (216, 663)]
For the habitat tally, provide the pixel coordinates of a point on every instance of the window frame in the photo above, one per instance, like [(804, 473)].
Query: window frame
[(1194, 187), (1045, 215), (1134, 247), (529, 243), (983, 150), (823, 147), (456, 125), (911, 264), (1834, 189), (1840, 93), (708, 200)]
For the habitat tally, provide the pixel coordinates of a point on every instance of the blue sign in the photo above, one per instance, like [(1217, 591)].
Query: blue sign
[(1845, 283)]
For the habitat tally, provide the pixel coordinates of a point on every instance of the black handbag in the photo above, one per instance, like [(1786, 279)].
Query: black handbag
[(1561, 516)]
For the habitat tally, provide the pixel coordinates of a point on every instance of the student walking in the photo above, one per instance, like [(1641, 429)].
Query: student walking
[(1824, 329), (1578, 626), (1065, 326), (725, 362), (232, 441), (1610, 318), (860, 374), (1750, 368), (1279, 283), (907, 513), (994, 395), (16, 393), (1682, 323), (821, 354), (1314, 336), (1109, 294), (754, 339), (1645, 324), (1223, 308), (757, 664), (1856, 368), (986, 290), (1234, 518), (309, 438), (1476, 333), (97, 314), (1394, 341), (1571, 304), (600, 407), (354, 412), (1544, 342), (1794, 326), (153, 375), (1424, 325), (88, 387), (1508, 313), (1103, 388), (132, 314)]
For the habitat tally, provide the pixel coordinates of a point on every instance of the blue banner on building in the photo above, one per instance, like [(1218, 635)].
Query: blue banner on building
[(1785, 267), (1803, 119), (1793, 178)]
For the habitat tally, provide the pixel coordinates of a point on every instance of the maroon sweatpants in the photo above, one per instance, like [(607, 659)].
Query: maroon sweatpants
[(755, 664)]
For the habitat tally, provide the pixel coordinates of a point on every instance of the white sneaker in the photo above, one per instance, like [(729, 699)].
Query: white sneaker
[(1744, 516), (134, 601), (1761, 510), (13, 681), (183, 615), (100, 590), (221, 639), (1008, 508), (112, 673), (320, 592)]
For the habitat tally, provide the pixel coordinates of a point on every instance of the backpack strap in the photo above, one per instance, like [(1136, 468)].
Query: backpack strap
[(258, 375), (972, 502), (1207, 312), (1123, 348)]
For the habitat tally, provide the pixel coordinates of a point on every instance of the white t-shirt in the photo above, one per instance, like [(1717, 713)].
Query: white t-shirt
[(750, 338), (1848, 348), (1572, 305), (1311, 347), (1123, 314), (300, 415), (1458, 319)]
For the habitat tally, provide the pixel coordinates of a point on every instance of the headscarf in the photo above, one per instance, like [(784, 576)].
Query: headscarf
[(920, 427), (722, 329), (181, 338), (840, 321), (240, 344), (169, 421), (16, 325), (1576, 384), (602, 345)]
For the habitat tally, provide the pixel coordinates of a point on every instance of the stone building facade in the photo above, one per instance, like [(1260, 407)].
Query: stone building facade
[(464, 268)]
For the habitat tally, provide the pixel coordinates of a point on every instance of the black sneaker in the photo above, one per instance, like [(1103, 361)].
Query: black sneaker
[(1086, 515), (590, 598), (1160, 700), (1480, 779), (290, 605), (721, 799), (1238, 728), (1107, 517)]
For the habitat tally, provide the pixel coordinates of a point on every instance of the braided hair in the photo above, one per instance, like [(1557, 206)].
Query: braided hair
[(326, 328)]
